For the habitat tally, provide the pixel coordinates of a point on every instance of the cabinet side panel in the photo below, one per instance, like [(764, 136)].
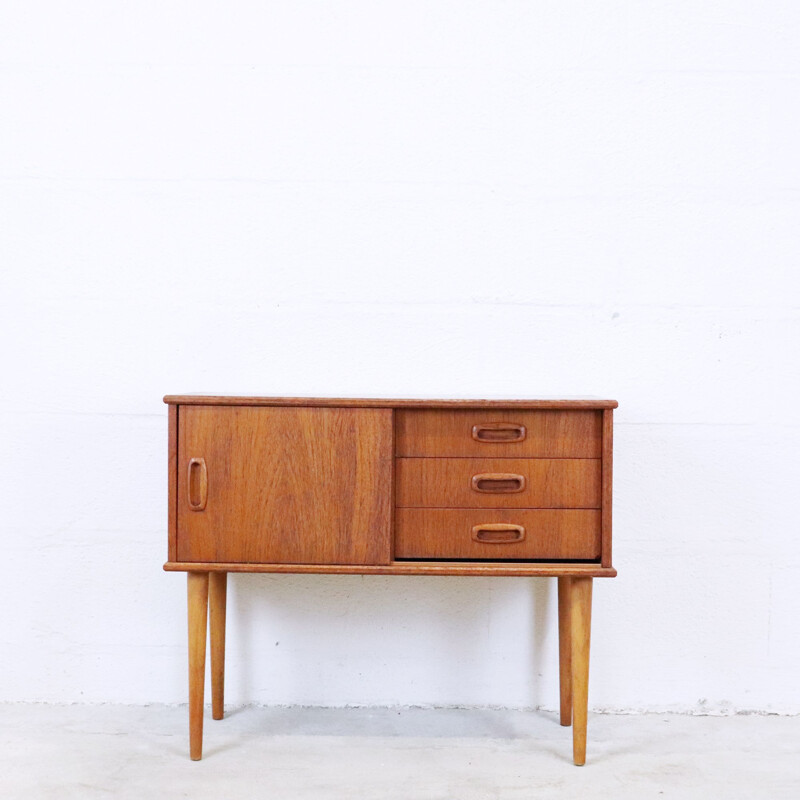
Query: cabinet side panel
[(286, 485), (172, 482), (393, 500), (608, 448)]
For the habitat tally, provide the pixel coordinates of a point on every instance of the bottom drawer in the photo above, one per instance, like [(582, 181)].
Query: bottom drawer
[(497, 535)]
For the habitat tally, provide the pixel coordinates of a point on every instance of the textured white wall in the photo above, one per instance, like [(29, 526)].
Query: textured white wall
[(403, 198)]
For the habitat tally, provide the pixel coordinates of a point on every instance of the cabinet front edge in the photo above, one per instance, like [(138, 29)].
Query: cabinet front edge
[(404, 568)]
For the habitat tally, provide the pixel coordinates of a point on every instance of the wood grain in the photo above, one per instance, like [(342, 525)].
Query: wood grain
[(448, 483), (290, 485), (608, 461), (172, 483), (541, 569), (580, 622), (565, 651), (443, 433), (447, 534), (385, 402), (197, 595), (217, 602)]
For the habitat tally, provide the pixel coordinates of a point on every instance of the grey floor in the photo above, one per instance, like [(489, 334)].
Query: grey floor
[(141, 752)]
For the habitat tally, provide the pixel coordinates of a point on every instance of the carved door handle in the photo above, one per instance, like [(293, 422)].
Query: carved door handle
[(197, 484)]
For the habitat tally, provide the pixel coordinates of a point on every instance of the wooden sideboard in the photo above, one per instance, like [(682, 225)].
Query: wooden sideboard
[(390, 487)]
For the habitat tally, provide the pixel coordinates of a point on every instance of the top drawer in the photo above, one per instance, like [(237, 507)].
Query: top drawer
[(498, 433)]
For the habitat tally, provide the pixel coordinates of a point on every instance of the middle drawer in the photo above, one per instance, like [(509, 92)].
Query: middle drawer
[(497, 482)]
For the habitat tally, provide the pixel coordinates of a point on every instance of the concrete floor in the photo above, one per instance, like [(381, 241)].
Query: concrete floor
[(142, 752)]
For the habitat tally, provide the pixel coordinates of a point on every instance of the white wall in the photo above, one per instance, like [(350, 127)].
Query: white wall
[(417, 198)]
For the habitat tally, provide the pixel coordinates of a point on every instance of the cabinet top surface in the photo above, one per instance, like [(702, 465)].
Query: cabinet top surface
[(385, 402)]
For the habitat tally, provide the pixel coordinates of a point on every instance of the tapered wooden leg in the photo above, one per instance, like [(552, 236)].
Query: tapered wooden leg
[(197, 589), (581, 622), (217, 591), (565, 649)]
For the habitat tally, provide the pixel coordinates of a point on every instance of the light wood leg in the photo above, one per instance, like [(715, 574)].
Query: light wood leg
[(565, 649), (581, 622), (217, 592), (197, 590)]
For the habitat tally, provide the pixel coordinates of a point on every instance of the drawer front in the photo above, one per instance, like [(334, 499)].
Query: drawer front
[(498, 483), (497, 535), (503, 433)]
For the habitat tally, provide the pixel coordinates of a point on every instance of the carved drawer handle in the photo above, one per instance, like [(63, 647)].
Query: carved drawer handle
[(498, 533), (498, 482), (197, 484), (498, 432)]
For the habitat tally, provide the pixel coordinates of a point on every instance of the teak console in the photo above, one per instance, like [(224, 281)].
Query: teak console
[(390, 487)]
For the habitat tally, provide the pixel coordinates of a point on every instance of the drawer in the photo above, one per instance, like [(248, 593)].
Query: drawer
[(497, 535), (502, 433), (497, 483)]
